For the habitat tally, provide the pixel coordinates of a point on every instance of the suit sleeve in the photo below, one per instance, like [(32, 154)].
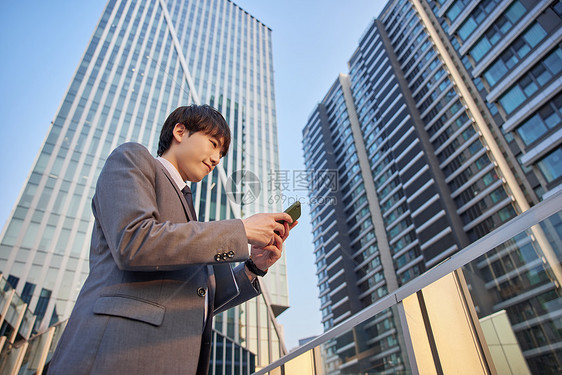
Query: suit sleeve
[(247, 289), (125, 206)]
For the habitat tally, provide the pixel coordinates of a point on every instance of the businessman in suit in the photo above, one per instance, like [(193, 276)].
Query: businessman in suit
[(157, 275)]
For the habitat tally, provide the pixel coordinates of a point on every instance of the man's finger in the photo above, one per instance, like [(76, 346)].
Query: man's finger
[(265, 241), (279, 229), (279, 242), (287, 229), (278, 238), (282, 216)]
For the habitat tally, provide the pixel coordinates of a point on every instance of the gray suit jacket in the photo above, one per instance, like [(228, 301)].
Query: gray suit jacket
[(141, 309)]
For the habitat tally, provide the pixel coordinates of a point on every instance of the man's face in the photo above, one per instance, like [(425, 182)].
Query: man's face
[(196, 155)]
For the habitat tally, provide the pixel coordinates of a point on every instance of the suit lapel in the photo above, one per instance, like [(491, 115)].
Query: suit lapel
[(178, 192)]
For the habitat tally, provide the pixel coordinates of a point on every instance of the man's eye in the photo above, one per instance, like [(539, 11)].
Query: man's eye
[(214, 143)]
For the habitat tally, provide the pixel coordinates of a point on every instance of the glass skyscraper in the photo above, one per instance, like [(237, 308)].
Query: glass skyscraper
[(144, 59), (447, 126)]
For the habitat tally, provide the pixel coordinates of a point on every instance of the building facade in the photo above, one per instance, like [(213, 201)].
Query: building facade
[(445, 128), (144, 59)]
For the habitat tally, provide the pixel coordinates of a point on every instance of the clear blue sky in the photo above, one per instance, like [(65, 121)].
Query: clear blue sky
[(43, 41)]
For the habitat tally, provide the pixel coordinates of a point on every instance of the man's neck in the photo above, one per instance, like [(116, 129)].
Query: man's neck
[(173, 171)]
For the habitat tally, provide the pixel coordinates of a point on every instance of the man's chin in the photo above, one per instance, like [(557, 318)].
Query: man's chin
[(197, 178)]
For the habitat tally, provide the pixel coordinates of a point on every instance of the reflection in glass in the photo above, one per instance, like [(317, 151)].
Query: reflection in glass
[(374, 346), (521, 278)]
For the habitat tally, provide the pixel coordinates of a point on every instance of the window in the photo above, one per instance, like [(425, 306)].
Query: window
[(506, 213), (467, 28), (456, 9), (13, 281), (41, 307), (498, 194), (536, 78), (495, 33), (512, 99), (535, 34), (477, 16), (27, 292), (551, 165), (548, 117), (516, 51), (498, 69)]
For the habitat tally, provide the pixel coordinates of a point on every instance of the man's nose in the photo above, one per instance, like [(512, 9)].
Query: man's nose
[(215, 157)]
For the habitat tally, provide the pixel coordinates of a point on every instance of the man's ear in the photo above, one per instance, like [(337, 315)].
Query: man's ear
[(179, 132)]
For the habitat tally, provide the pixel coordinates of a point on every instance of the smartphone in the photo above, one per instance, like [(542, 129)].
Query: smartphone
[(294, 211)]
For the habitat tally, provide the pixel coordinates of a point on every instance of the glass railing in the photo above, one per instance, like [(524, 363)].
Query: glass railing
[(494, 307)]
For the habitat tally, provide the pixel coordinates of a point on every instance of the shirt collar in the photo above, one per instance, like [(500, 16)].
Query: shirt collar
[(180, 183)]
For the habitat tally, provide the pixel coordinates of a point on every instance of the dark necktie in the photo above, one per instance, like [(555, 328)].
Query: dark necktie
[(188, 197)]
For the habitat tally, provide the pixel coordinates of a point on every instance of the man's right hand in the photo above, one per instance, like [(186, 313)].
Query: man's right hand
[(260, 228)]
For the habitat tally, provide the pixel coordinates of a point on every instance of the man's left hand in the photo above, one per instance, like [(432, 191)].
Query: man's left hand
[(265, 257)]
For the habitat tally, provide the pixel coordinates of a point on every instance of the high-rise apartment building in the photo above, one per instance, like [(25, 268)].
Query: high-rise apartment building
[(144, 59), (447, 126)]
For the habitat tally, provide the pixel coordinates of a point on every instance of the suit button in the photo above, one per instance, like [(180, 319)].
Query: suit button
[(224, 256), (201, 292), (218, 257), (231, 254)]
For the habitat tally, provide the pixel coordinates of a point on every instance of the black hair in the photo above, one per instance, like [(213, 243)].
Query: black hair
[(195, 118)]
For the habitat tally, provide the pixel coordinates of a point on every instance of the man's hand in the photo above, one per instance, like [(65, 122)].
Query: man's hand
[(261, 229), (264, 257)]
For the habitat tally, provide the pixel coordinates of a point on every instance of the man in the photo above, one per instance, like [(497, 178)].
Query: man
[(157, 276)]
